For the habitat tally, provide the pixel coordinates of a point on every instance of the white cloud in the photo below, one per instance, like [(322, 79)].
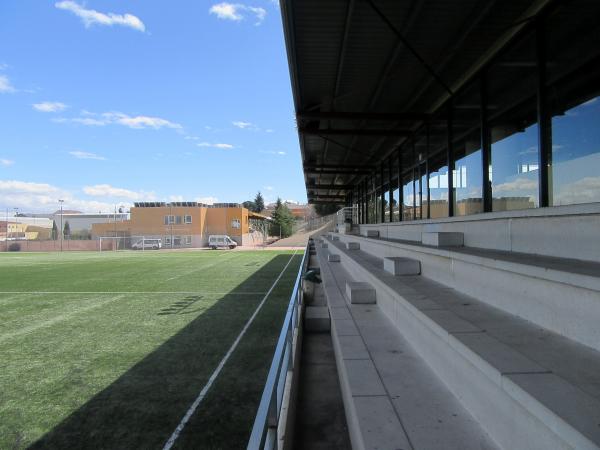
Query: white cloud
[(586, 190), (269, 130), (92, 17), (6, 162), (119, 118), (106, 190), (49, 106), (86, 155), (237, 12), (42, 197), (268, 188), (5, 86), (243, 125), (518, 186), (207, 200), (221, 146), (176, 198), (271, 152), (139, 122)]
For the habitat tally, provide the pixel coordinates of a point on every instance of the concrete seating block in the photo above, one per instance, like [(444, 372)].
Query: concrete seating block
[(335, 238), (333, 258), (443, 239), (373, 233), (402, 266), (353, 246), (324, 245), (359, 292), (316, 319)]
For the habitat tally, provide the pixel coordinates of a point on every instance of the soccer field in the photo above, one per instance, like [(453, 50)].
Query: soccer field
[(110, 350)]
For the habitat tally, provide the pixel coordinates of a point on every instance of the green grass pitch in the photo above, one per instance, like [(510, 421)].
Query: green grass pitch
[(109, 350)]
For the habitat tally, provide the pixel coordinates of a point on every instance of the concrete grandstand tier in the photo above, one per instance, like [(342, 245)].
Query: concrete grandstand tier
[(440, 239), (527, 386)]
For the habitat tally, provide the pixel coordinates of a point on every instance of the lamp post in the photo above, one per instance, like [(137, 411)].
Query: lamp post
[(6, 235), (15, 216), (62, 231)]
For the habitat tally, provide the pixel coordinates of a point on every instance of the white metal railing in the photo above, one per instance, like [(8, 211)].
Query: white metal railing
[(266, 423)]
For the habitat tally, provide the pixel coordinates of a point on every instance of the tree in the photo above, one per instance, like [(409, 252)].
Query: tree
[(54, 231), (67, 230), (327, 209), (282, 222), (259, 203), (248, 204)]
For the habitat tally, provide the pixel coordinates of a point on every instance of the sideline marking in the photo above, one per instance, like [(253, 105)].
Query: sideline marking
[(128, 292), (217, 371)]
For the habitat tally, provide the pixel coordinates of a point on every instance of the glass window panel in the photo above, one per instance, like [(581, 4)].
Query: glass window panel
[(408, 192)]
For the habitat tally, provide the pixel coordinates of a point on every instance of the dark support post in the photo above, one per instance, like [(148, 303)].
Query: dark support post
[(382, 202), (391, 189), (450, 159), (427, 171), (486, 147), (544, 120), (413, 181), (400, 188)]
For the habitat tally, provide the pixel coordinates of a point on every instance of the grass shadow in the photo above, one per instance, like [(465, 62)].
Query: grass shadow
[(144, 405)]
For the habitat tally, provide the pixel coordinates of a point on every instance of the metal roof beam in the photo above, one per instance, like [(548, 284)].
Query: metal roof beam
[(322, 115), (342, 187), (350, 132)]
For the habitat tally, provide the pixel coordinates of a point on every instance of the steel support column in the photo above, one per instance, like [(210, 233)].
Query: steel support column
[(544, 121), (400, 188), (486, 147), (450, 161)]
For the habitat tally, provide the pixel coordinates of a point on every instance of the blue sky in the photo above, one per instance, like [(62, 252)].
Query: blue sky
[(107, 102)]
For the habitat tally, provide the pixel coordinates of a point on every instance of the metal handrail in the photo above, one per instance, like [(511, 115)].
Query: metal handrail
[(264, 431)]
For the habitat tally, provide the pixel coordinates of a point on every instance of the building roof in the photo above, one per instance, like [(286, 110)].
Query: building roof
[(366, 74)]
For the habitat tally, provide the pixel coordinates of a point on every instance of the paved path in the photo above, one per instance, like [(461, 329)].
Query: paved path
[(299, 239)]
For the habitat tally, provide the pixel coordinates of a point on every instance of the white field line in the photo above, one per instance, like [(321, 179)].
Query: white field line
[(56, 319), (126, 292), (192, 409), (219, 261)]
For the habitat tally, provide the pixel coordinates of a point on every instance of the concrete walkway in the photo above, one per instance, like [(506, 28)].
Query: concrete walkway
[(300, 239)]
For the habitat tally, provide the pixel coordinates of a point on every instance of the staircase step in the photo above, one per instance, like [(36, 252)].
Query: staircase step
[(316, 319), (397, 265)]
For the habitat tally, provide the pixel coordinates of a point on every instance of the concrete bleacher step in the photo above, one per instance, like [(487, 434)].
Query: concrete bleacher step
[(561, 295), (392, 399), (442, 239), (316, 319), (527, 386), (398, 265)]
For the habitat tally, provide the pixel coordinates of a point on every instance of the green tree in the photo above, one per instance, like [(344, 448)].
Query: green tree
[(67, 230), (259, 203), (248, 204), (282, 222), (54, 231)]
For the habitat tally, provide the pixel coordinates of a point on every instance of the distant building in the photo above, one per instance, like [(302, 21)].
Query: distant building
[(184, 224)]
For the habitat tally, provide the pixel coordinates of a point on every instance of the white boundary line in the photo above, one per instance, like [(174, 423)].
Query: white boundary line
[(128, 292), (192, 409)]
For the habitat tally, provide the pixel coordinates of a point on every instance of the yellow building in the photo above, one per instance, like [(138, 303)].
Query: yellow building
[(181, 224)]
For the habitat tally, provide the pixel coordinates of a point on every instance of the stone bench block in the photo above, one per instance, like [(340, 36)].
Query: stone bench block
[(324, 245), (335, 238), (402, 266), (353, 246), (359, 292), (443, 239), (316, 319), (372, 233), (333, 258)]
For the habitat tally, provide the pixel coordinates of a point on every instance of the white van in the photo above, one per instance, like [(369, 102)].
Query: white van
[(221, 240), (147, 244)]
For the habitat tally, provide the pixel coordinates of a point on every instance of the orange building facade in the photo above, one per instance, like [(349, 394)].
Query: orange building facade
[(181, 224)]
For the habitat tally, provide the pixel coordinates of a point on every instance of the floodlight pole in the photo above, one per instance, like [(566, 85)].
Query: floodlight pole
[(15, 216), (62, 231)]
